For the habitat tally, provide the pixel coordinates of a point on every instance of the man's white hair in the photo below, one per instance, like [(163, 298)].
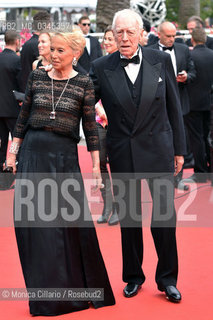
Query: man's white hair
[(127, 13)]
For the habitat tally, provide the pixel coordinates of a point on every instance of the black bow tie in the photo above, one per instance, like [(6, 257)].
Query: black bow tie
[(125, 62), (168, 48)]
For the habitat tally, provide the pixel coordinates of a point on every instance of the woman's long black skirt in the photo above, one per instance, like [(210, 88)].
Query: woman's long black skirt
[(56, 256)]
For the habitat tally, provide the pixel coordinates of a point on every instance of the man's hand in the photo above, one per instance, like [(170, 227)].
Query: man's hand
[(182, 77), (179, 161)]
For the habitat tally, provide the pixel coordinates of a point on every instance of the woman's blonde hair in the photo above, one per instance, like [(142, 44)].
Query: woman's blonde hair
[(74, 39), (46, 31)]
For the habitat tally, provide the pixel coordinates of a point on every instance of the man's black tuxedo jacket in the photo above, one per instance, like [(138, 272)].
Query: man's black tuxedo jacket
[(95, 52), (183, 62), (200, 89), (10, 67), (29, 53), (142, 139)]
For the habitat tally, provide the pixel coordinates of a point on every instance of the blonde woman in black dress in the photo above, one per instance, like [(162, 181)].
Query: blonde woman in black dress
[(48, 132)]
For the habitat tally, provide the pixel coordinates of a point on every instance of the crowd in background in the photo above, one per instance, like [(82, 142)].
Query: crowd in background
[(28, 49)]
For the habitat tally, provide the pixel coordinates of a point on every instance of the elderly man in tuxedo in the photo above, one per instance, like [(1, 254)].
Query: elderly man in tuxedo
[(92, 50), (184, 71), (138, 89)]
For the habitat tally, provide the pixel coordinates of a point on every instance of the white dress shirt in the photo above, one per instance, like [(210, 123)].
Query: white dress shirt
[(132, 69), (172, 54), (87, 44)]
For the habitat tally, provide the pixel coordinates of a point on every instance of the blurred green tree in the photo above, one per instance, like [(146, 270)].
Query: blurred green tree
[(206, 9), (172, 7)]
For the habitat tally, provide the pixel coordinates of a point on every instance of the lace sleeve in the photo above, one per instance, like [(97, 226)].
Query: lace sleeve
[(88, 118), (21, 124)]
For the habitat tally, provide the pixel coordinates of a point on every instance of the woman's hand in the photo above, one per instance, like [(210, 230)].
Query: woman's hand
[(11, 162), (101, 113), (96, 174), (13, 151)]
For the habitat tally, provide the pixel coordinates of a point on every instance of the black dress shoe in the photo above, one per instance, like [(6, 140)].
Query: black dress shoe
[(172, 294), (131, 290)]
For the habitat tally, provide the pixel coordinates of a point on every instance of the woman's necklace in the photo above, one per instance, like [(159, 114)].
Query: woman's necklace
[(54, 106)]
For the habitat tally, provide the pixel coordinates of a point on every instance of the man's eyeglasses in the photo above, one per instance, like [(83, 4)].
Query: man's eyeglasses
[(85, 24)]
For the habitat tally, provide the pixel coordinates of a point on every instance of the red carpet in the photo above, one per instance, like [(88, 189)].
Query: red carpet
[(195, 243)]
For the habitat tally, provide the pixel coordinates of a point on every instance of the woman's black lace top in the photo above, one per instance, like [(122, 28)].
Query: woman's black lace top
[(77, 102)]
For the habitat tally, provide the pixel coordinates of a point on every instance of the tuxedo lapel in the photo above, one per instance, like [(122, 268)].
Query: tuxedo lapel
[(116, 76), (150, 76)]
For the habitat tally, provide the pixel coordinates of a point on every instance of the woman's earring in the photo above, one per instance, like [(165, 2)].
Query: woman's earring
[(74, 61)]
